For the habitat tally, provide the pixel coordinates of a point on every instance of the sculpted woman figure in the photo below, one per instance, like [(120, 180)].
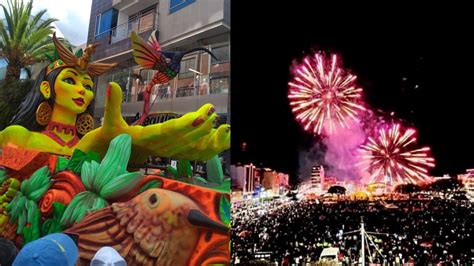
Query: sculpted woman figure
[(54, 117)]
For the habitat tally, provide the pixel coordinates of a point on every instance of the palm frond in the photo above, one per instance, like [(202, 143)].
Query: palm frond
[(24, 37)]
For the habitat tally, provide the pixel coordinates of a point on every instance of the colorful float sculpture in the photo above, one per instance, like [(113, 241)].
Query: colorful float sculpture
[(59, 174)]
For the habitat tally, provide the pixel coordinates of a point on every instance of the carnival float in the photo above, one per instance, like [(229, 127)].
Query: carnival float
[(60, 174)]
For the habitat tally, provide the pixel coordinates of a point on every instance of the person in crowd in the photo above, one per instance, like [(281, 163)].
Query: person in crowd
[(52, 249), (108, 256), (8, 252)]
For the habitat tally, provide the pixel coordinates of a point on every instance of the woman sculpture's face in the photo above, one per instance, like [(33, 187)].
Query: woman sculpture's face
[(73, 90)]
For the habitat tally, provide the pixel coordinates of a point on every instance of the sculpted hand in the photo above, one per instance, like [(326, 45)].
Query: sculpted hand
[(189, 137)]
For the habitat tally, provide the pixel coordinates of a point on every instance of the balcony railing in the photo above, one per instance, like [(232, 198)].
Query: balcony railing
[(185, 92), (141, 24), (144, 23)]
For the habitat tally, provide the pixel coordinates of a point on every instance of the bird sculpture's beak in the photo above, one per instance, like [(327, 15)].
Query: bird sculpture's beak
[(197, 218)]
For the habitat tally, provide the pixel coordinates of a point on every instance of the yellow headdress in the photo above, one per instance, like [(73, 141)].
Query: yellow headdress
[(67, 58)]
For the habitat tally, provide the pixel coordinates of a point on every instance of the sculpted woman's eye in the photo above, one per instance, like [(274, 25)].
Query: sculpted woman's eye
[(69, 80)]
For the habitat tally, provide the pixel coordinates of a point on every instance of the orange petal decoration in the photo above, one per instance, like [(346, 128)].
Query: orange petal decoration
[(65, 186)]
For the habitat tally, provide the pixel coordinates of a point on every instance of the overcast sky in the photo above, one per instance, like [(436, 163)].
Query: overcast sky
[(73, 16)]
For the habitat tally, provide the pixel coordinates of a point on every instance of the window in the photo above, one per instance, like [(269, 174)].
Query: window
[(97, 24), (133, 22), (186, 64), (147, 22), (144, 78), (220, 85), (140, 96), (142, 21), (105, 22), (176, 5), (163, 91), (122, 74), (146, 75), (185, 92), (222, 54), (203, 87)]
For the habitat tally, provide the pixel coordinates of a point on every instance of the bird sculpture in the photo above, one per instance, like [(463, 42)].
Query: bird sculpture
[(157, 227), (167, 63)]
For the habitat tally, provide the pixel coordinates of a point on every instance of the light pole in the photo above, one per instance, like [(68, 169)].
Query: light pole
[(197, 78), (362, 237), (365, 239)]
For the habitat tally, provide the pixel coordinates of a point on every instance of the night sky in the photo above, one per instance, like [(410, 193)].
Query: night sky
[(417, 63)]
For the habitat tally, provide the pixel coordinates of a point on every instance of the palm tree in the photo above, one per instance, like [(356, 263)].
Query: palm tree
[(24, 38)]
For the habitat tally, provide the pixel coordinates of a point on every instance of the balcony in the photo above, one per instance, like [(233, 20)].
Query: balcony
[(117, 2), (132, 6), (116, 40), (144, 23)]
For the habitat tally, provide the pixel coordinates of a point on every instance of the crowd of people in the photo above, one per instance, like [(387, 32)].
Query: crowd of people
[(410, 231), (54, 249)]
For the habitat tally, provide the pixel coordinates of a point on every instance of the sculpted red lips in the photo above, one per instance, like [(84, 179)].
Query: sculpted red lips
[(79, 101)]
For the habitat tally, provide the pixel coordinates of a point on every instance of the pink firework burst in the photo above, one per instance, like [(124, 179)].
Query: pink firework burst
[(323, 95), (389, 156)]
